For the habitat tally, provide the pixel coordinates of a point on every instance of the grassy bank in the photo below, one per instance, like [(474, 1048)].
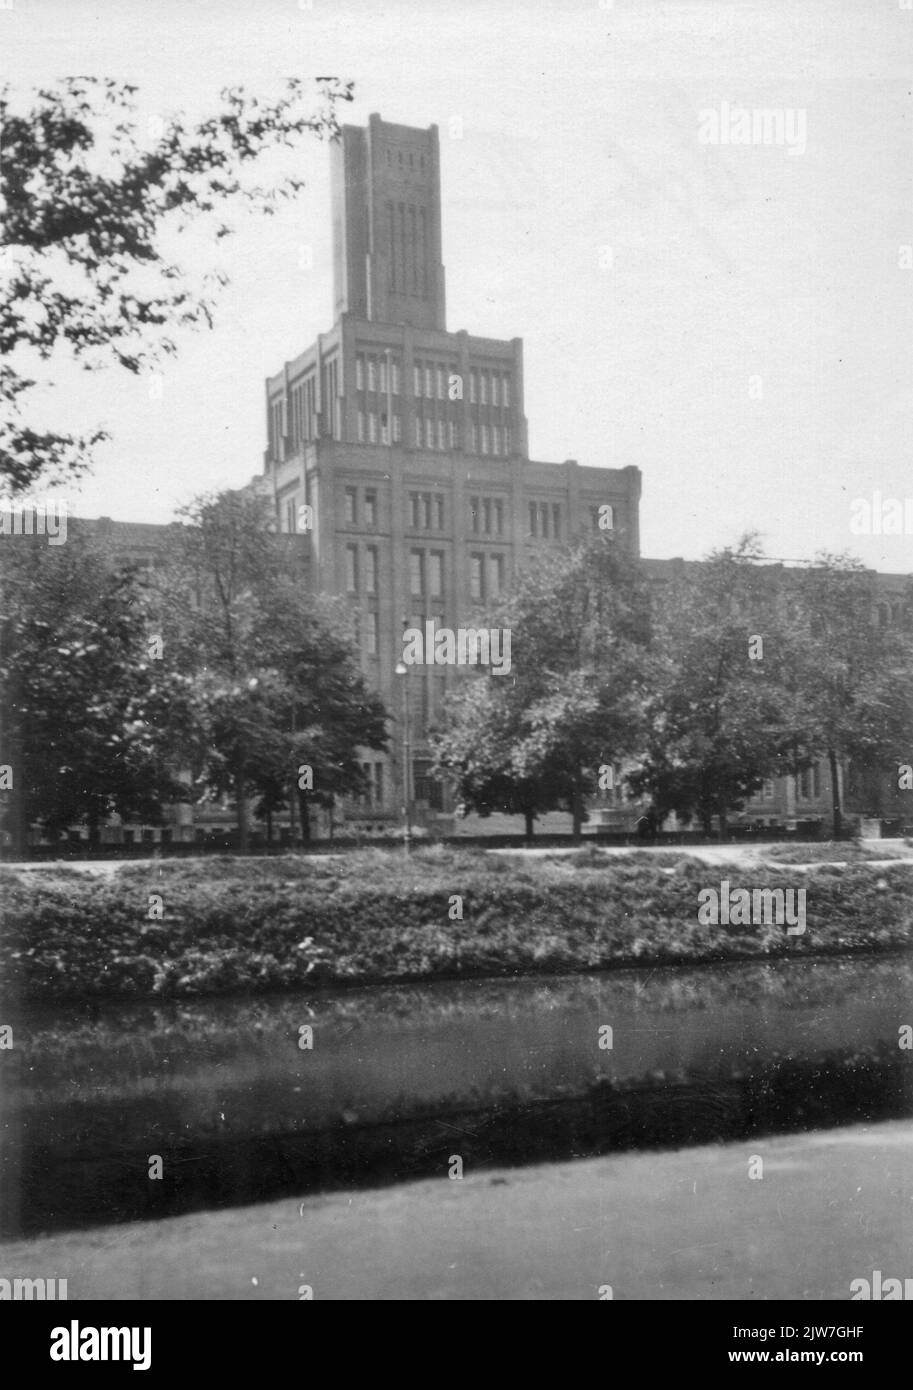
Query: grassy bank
[(259, 925)]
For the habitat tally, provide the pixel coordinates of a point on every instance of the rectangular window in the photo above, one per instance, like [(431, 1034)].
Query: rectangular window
[(361, 427), (486, 516), (394, 387), (371, 569), (505, 390), (370, 507), (372, 427), (436, 573), (473, 387), (441, 383), (429, 434), (495, 379), (417, 380), (384, 429), (499, 517), (441, 444), (372, 374), (382, 365), (507, 444), (416, 573), (359, 373), (429, 383), (291, 516), (352, 568), (484, 439), (476, 563), (426, 510), (495, 439), (370, 631), (351, 505), (414, 510), (397, 429), (533, 519), (452, 434), (474, 513), (495, 574), (543, 518), (418, 432), (483, 385), (556, 521), (474, 437), (439, 511)]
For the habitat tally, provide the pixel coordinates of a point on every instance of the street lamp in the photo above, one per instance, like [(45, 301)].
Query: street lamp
[(401, 669)]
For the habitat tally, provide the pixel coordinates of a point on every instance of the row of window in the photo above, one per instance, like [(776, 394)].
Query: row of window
[(407, 248), (371, 373), (361, 566), (373, 428), (431, 380), (427, 512)]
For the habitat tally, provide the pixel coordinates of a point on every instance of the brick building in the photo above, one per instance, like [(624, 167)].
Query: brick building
[(402, 447)]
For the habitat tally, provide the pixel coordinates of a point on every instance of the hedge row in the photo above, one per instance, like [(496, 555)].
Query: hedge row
[(393, 921)]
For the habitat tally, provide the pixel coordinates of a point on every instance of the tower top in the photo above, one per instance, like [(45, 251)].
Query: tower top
[(386, 191)]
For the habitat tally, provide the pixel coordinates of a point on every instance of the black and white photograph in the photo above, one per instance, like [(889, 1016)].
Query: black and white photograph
[(456, 660)]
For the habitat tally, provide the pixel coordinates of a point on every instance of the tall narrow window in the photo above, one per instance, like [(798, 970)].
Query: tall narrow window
[(414, 234), (495, 380), (426, 510), (359, 373), (533, 519), (476, 565), (429, 383), (429, 434), (441, 383), (505, 389), (556, 521), (371, 569), (372, 374), (496, 439), (484, 439), (372, 426), (370, 507), (418, 432), (486, 516), (397, 429), (496, 575), (391, 224), (417, 379), (423, 253), (474, 514), (499, 517), (394, 377), (416, 573), (439, 511), (436, 573), (441, 444), (414, 510), (361, 427), (507, 443), (352, 568), (370, 632), (483, 388), (351, 505), (473, 387)]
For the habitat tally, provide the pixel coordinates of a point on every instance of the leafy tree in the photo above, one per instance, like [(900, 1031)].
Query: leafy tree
[(850, 677), (88, 717), (580, 671), (86, 202), (719, 716), (274, 677)]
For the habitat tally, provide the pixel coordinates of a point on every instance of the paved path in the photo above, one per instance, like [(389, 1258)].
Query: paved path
[(831, 1207)]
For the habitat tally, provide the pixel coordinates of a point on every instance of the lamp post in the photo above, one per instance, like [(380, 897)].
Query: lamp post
[(401, 669)]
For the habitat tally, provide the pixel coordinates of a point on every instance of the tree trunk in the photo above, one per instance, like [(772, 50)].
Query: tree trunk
[(835, 794), (241, 802), (577, 810), (305, 814)]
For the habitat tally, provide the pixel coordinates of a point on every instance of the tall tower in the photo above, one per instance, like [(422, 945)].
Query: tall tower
[(386, 183)]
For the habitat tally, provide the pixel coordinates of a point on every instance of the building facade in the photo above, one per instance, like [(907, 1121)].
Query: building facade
[(401, 449)]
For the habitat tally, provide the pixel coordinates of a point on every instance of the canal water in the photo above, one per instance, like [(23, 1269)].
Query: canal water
[(386, 1082)]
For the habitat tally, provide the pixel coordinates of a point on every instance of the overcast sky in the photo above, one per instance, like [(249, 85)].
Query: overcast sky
[(733, 319)]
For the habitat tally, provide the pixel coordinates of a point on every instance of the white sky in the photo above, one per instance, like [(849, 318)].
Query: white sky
[(579, 124)]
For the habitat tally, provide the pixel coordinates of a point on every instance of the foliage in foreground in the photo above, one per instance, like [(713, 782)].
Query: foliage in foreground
[(346, 923)]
